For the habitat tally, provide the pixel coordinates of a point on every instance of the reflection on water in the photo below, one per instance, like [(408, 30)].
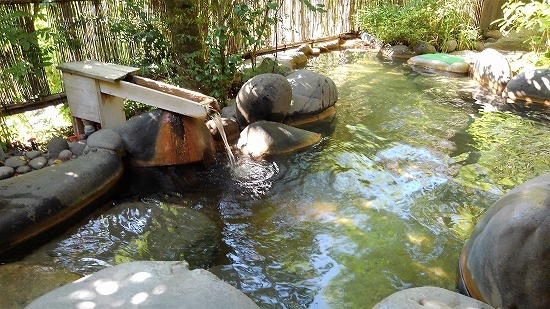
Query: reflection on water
[(377, 206), (252, 177)]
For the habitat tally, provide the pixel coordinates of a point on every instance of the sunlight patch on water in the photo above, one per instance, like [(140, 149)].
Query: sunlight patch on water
[(252, 177)]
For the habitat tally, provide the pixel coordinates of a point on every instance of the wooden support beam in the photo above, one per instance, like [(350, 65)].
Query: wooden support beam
[(44, 102)]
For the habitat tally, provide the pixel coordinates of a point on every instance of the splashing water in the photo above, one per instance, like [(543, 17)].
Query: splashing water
[(218, 122)]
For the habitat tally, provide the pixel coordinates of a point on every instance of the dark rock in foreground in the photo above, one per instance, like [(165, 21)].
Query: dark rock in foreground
[(506, 260)]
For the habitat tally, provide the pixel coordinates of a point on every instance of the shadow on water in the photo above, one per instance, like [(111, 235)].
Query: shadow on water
[(382, 203)]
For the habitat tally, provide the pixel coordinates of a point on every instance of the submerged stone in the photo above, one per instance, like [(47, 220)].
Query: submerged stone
[(34, 279), (147, 284), (137, 231), (271, 138)]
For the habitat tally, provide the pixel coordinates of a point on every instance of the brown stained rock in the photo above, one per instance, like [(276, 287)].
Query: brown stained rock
[(505, 261)]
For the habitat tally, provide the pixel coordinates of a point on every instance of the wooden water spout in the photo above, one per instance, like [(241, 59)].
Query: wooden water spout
[(96, 92)]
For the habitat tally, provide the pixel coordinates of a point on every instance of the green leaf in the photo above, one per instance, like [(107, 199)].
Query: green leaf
[(26, 45)]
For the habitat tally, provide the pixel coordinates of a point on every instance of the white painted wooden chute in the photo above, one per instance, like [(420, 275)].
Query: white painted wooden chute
[(96, 92)]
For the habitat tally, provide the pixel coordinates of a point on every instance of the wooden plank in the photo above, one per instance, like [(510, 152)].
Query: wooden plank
[(44, 102), (98, 70), (171, 89), (83, 96), (156, 98)]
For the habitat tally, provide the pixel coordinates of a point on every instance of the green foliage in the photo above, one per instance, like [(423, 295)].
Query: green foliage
[(13, 34), (147, 34), (533, 16), (240, 28), (17, 33), (433, 21)]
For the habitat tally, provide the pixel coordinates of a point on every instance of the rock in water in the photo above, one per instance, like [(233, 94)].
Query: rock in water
[(424, 48), (312, 93), (264, 97), (530, 86), (492, 70), (506, 261), (160, 137), (397, 51), (137, 231), (34, 203), (147, 284), (270, 138)]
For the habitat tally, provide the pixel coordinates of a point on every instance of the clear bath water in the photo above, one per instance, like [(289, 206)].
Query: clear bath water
[(382, 203)]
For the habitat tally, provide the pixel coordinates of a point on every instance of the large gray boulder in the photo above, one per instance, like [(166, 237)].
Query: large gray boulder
[(492, 70), (530, 86), (263, 97), (137, 231), (312, 93), (263, 138), (147, 284), (506, 260), (429, 297), (34, 203)]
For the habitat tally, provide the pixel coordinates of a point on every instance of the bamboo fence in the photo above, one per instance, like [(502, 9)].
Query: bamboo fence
[(82, 31)]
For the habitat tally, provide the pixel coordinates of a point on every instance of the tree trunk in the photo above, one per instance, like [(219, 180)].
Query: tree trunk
[(182, 21)]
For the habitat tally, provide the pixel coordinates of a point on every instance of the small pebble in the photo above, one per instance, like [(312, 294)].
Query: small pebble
[(6, 172), (23, 169), (38, 163), (15, 162), (33, 154), (65, 155)]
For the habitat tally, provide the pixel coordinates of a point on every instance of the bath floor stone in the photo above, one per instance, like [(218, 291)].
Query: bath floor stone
[(150, 284)]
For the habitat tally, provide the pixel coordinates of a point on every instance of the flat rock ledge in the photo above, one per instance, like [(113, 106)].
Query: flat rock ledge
[(149, 284), (429, 297)]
